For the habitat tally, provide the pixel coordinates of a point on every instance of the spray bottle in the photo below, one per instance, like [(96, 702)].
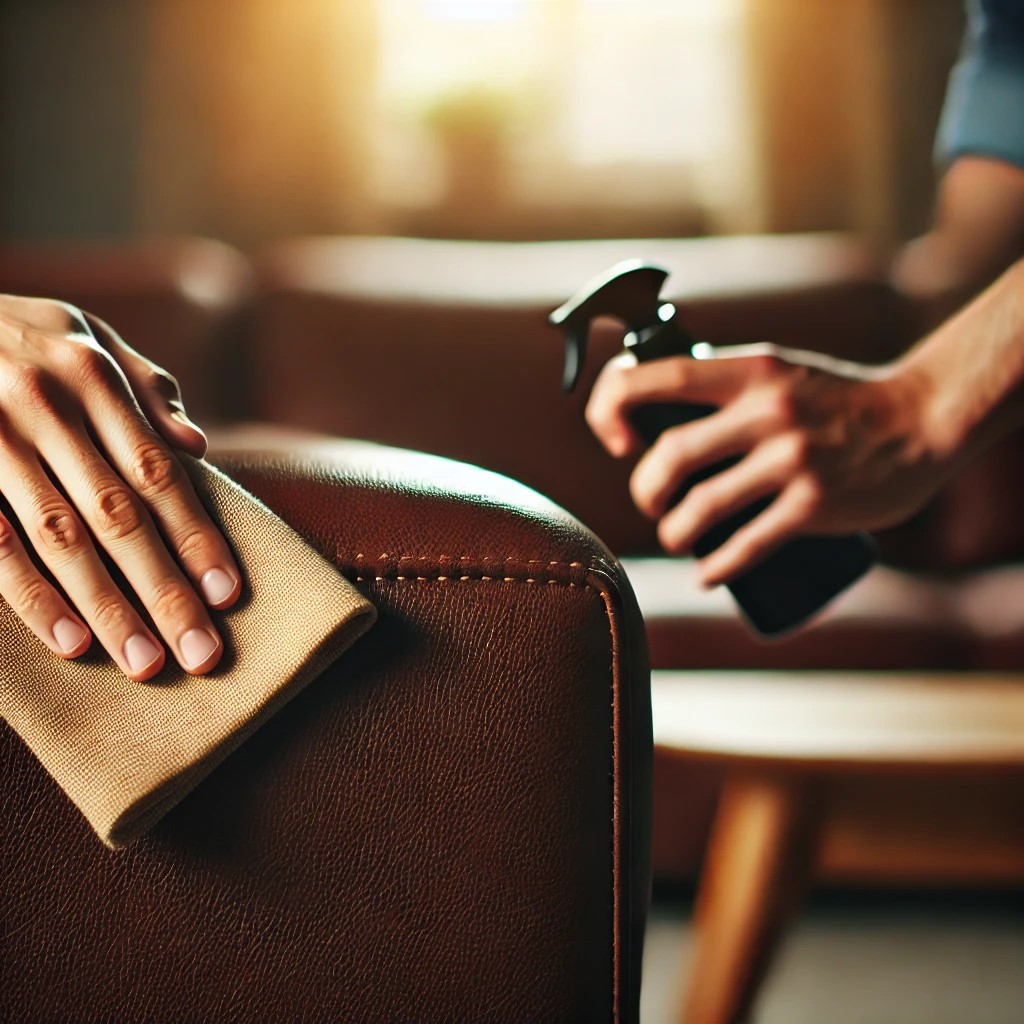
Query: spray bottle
[(800, 577)]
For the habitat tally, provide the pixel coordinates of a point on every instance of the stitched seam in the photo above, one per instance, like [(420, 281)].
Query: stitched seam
[(461, 558), (463, 568), (569, 585), (615, 817)]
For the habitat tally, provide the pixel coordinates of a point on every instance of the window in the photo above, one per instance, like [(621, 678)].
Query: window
[(631, 104)]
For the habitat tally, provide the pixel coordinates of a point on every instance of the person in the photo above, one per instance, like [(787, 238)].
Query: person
[(841, 446), (88, 432)]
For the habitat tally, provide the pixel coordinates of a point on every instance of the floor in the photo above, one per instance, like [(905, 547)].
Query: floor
[(871, 959)]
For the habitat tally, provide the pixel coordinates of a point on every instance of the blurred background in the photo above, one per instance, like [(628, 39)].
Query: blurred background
[(545, 118), (250, 189)]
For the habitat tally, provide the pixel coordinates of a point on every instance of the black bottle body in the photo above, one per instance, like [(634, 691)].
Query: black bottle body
[(798, 579)]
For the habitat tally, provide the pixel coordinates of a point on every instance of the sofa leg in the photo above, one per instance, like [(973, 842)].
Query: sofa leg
[(758, 868)]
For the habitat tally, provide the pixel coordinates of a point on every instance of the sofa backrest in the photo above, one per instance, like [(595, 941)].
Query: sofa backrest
[(445, 346)]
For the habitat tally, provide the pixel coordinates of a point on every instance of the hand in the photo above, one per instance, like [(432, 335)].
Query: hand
[(841, 447), (87, 428)]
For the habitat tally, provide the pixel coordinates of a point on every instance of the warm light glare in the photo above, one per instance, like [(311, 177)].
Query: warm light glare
[(474, 10), (625, 100)]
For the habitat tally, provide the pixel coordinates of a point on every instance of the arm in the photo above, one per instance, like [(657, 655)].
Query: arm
[(842, 446), (87, 428), (978, 229)]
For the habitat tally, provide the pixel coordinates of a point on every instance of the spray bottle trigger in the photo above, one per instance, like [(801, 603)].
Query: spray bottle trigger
[(629, 292)]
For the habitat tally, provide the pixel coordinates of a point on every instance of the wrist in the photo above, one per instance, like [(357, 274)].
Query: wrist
[(965, 381), (925, 429)]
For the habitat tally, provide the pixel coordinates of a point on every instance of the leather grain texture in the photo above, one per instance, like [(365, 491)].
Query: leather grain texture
[(127, 752), (449, 825)]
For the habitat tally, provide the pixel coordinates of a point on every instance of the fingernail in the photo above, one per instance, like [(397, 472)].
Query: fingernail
[(69, 634), (140, 652), (196, 647), (217, 586), (182, 417)]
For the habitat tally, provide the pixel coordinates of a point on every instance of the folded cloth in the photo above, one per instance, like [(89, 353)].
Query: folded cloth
[(127, 752)]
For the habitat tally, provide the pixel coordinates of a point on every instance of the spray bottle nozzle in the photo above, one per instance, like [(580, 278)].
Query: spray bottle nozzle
[(629, 292)]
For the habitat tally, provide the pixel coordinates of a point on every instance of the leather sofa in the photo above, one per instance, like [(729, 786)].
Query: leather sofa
[(444, 347), (450, 825)]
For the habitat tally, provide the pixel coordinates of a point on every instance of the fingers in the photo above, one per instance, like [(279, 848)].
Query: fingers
[(761, 473), (681, 451), (785, 518), (63, 544), (145, 462), (100, 418), (122, 525), (623, 386), (155, 389), (36, 601)]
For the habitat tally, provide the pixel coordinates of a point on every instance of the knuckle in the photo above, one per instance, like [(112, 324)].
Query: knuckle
[(110, 614), (57, 528), (8, 434), (29, 387), (782, 407), (8, 540), (154, 469), (811, 498), (797, 450), (59, 317), (766, 364), (172, 600), (118, 515), (32, 595), (92, 366), (678, 445), (194, 546)]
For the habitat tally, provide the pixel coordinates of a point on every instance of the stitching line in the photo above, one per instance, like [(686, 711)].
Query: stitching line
[(568, 584), (486, 568)]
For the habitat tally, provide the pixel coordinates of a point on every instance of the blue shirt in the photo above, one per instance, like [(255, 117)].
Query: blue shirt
[(984, 110)]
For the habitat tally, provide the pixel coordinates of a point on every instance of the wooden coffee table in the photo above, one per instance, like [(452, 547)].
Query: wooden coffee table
[(781, 736)]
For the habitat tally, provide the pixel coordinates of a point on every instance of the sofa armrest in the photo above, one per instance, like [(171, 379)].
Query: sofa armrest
[(450, 824)]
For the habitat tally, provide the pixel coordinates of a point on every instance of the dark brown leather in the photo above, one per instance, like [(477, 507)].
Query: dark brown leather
[(445, 347), (450, 825), (176, 301)]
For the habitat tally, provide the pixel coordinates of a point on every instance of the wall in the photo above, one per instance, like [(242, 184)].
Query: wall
[(248, 119)]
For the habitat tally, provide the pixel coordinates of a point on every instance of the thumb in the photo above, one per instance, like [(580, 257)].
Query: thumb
[(156, 391)]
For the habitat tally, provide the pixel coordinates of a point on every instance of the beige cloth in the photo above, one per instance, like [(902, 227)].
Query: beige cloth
[(127, 752)]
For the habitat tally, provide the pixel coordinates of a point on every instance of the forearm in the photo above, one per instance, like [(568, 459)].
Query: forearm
[(971, 370)]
